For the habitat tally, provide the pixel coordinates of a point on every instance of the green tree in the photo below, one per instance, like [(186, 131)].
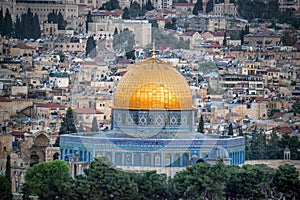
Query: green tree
[(36, 26), (258, 146), (67, 125), (209, 6), (273, 146), (88, 20), (61, 56), (49, 180), (61, 22), (17, 27), (111, 5), (124, 41), (102, 181), (215, 181), (126, 14), (90, 49), (188, 184), (5, 188), (1, 22), (57, 17), (164, 38), (115, 31), (135, 9), (230, 129), (200, 128), (198, 7), (149, 5), (130, 55), (289, 36), (251, 182), (94, 125), (8, 25), (286, 181), (153, 23), (151, 185), (248, 149), (28, 26), (296, 107), (171, 25), (8, 175), (225, 40)]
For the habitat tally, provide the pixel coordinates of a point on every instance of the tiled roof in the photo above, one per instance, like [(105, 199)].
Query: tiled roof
[(277, 114), (3, 99), (218, 34), (273, 70), (188, 33), (284, 130), (86, 111), (23, 46), (19, 133), (52, 106)]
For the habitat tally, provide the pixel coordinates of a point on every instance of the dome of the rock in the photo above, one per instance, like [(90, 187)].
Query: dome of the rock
[(153, 84)]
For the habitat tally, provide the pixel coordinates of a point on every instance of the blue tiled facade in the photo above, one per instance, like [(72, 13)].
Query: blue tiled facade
[(162, 150)]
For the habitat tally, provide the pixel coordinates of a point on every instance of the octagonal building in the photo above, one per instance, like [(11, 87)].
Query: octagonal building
[(153, 127)]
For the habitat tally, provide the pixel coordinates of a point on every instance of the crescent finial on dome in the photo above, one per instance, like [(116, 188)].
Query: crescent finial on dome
[(153, 50)]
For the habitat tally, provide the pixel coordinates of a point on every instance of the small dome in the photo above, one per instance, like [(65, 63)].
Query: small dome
[(153, 84), (217, 153)]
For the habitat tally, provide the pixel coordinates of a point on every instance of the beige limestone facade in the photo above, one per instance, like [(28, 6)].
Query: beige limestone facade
[(140, 28), (50, 29)]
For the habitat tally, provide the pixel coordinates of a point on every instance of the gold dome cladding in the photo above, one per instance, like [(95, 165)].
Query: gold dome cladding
[(153, 84)]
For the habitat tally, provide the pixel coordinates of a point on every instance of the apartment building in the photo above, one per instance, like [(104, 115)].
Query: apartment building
[(249, 84), (262, 38)]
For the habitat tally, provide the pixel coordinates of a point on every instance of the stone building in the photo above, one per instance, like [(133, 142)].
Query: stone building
[(141, 29), (225, 9), (206, 23), (262, 38)]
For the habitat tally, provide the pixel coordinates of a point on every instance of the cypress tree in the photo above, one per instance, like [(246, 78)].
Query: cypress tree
[(8, 25), (88, 20), (8, 174), (36, 25), (230, 129), (94, 125), (116, 31), (225, 39), (149, 5), (242, 36), (201, 125), (1, 22), (125, 14), (18, 27), (90, 49), (67, 125), (209, 6), (61, 22), (198, 7)]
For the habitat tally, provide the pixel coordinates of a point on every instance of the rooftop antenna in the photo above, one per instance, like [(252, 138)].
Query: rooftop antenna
[(153, 50)]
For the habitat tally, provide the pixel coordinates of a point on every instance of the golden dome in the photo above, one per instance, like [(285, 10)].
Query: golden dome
[(153, 84)]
